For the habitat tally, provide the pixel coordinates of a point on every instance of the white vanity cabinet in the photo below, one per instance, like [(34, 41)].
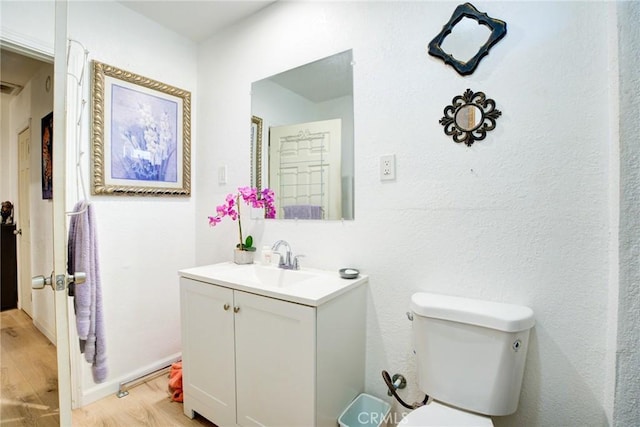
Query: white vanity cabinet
[(256, 360)]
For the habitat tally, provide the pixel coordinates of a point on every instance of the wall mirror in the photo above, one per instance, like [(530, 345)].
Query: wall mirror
[(469, 117), (467, 38), (302, 139)]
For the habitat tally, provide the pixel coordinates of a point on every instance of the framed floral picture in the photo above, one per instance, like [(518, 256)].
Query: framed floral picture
[(141, 135)]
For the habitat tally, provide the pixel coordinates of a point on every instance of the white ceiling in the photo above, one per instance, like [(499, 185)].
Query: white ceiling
[(196, 19), (15, 71)]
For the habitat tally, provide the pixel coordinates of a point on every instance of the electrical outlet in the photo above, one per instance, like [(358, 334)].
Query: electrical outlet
[(388, 167)]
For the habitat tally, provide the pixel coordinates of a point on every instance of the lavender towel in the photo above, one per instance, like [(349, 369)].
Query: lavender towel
[(83, 256), (302, 212)]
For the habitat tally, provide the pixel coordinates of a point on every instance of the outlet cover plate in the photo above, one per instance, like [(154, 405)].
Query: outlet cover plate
[(388, 167)]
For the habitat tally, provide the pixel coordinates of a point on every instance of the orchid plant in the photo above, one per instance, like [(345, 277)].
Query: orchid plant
[(231, 208)]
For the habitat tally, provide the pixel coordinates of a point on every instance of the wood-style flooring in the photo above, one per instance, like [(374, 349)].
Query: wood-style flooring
[(28, 371), (147, 404), (29, 393)]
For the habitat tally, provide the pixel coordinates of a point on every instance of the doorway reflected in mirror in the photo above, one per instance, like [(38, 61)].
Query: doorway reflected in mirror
[(296, 148)]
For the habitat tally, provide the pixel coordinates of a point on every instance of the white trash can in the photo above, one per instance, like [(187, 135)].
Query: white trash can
[(365, 411)]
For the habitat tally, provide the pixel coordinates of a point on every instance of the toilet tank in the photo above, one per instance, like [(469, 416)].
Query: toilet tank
[(470, 353)]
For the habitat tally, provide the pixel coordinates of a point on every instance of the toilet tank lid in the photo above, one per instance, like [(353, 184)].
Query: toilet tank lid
[(489, 314)]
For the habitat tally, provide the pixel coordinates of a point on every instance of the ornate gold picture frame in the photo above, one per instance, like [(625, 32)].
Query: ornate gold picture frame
[(256, 152), (141, 135)]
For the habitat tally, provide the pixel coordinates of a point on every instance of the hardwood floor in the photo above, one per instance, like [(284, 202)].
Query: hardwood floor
[(29, 393), (146, 405)]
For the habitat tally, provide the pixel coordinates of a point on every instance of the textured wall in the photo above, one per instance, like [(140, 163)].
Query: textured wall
[(627, 405), (8, 167), (522, 217), (27, 109), (143, 240)]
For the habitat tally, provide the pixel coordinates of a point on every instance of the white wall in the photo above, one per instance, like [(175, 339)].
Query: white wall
[(41, 209), (627, 392), (143, 241), (521, 217), (28, 23), (27, 110), (7, 153), (31, 25)]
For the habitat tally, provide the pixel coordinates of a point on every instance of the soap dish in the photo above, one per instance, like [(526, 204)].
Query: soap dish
[(348, 273)]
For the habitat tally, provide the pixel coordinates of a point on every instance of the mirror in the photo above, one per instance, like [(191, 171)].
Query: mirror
[(302, 139), (457, 43), (466, 39), (470, 117)]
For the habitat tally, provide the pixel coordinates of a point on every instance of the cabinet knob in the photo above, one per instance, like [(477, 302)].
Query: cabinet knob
[(236, 309), (226, 307)]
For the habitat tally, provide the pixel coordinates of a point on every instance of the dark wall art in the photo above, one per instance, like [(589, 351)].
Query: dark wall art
[(47, 156)]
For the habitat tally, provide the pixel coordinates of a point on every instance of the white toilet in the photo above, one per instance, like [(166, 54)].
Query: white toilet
[(470, 359)]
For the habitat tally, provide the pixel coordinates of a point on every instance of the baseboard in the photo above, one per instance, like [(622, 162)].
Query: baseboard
[(51, 336), (111, 386)]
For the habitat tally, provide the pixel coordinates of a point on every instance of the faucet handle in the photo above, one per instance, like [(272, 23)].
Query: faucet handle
[(296, 264)]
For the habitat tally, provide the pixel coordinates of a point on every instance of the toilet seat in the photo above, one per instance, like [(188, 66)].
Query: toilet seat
[(436, 414)]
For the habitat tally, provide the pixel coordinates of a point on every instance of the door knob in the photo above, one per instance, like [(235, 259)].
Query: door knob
[(78, 278), (59, 282), (39, 282), (18, 231)]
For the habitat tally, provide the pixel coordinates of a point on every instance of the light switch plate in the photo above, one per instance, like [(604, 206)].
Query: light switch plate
[(222, 174)]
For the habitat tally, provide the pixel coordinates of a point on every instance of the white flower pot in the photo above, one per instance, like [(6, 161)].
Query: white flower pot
[(243, 257)]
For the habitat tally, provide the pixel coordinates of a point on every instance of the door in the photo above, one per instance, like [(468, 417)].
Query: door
[(207, 351), (23, 210), (26, 44), (305, 169), (59, 216), (275, 362)]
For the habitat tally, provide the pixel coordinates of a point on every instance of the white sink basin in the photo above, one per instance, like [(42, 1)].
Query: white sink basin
[(266, 276), (306, 286)]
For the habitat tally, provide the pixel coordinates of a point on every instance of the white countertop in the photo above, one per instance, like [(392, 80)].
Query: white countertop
[(305, 286)]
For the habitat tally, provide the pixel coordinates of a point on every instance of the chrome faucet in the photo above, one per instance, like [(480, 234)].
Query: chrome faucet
[(288, 261)]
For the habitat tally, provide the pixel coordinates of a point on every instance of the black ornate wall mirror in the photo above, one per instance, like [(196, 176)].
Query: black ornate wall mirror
[(456, 53), (470, 117)]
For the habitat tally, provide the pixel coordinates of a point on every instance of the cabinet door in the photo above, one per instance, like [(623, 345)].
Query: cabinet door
[(208, 351), (275, 362)]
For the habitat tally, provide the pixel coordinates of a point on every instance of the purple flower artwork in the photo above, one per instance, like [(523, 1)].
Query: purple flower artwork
[(144, 131)]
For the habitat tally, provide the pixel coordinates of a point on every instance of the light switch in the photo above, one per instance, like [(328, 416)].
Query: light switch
[(222, 174)]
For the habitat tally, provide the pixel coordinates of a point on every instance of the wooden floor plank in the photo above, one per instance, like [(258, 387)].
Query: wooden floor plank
[(29, 392), (28, 395), (148, 404)]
